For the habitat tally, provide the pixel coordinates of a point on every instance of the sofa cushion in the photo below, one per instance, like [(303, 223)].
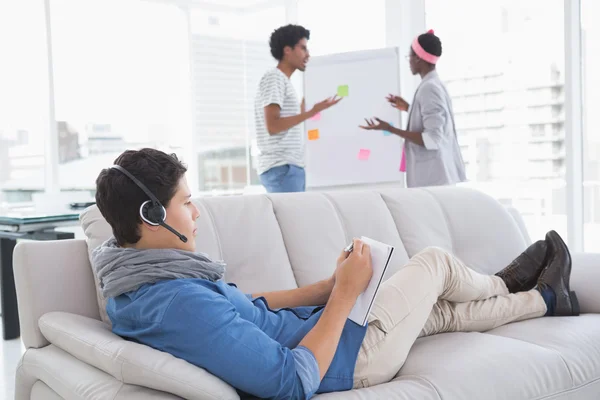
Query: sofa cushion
[(575, 340), (92, 342), (317, 226), (366, 214), (402, 388), (250, 242), (482, 231), (541, 358), (312, 250), (477, 365), (419, 219), (66, 377), (96, 231)]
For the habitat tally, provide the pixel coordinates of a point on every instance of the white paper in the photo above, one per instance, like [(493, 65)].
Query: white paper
[(380, 256)]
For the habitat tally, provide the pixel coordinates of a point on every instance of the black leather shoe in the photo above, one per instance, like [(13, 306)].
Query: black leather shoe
[(523, 272), (556, 277), (556, 243)]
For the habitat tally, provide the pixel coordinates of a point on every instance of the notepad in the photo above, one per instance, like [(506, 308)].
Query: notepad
[(381, 254)]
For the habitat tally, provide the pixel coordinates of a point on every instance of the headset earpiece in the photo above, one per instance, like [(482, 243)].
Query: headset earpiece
[(152, 213)]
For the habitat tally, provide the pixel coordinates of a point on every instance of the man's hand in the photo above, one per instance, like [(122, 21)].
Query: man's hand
[(354, 273), (351, 279), (338, 262), (377, 125), (398, 102), (277, 124), (325, 104)]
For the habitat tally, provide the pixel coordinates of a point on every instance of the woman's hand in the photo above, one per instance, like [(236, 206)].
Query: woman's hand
[(398, 102), (377, 125)]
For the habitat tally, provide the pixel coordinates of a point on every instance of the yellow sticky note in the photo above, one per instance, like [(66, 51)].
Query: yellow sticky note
[(313, 134), (342, 90)]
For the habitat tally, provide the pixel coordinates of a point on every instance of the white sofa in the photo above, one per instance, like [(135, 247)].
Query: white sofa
[(284, 241)]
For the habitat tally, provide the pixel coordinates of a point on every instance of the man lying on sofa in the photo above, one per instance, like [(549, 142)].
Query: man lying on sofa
[(292, 344)]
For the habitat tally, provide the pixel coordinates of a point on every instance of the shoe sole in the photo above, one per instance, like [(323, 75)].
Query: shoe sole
[(575, 310), (575, 304), (567, 271)]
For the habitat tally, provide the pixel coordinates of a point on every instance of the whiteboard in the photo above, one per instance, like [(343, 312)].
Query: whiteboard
[(338, 152)]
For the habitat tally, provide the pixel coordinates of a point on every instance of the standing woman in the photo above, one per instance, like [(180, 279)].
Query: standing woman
[(431, 154)]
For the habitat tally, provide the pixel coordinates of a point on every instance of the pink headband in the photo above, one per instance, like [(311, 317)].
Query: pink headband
[(421, 53)]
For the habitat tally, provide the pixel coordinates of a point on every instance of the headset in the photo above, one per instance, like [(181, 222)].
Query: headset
[(151, 211)]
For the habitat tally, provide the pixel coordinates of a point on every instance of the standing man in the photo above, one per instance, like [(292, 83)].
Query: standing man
[(279, 115)]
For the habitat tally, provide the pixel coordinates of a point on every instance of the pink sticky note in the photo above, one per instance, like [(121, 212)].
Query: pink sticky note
[(403, 161), (364, 154), (316, 117)]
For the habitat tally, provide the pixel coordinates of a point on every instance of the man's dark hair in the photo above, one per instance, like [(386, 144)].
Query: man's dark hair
[(119, 198), (288, 35), (431, 43)]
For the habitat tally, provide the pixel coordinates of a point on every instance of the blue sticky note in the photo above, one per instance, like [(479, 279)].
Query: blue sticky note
[(387, 133)]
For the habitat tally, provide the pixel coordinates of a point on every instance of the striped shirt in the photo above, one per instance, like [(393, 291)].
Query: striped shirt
[(286, 147)]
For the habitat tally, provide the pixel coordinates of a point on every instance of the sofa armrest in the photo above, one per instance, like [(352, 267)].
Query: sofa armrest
[(43, 272), (585, 280), (92, 342), (69, 378)]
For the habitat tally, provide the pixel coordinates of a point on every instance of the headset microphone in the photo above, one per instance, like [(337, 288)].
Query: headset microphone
[(179, 235)]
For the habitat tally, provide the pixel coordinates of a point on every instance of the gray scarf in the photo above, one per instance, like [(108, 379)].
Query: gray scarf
[(121, 270)]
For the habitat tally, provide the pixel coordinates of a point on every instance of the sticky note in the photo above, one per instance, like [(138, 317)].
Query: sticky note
[(364, 154), (388, 133), (313, 134), (342, 90), (403, 161), (316, 117)]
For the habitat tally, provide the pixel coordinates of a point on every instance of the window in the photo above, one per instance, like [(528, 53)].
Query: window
[(124, 88), (117, 88), (130, 74), (538, 130), (590, 36), (336, 26), (23, 100), (524, 119), (230, 53)]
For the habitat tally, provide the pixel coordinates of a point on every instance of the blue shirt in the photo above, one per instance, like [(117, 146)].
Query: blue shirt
[(215, 326)]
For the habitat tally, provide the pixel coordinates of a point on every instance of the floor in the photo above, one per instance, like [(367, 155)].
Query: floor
[(10, 354)]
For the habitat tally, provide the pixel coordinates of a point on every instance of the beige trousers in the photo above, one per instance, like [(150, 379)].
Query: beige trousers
[(434, 293)]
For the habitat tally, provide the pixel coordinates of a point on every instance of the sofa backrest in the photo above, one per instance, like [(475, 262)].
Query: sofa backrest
[(283, 241)]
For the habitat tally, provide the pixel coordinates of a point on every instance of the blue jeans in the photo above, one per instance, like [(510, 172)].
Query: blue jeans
[(285, 178)]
